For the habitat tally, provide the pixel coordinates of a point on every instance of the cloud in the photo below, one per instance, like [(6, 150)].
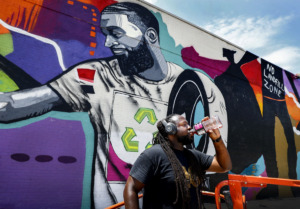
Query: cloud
[(152, 1), (287, 58), (259, 34), (247, 32)]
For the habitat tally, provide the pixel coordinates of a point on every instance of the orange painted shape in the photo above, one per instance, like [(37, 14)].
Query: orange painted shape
[(92, 53), (94, 14), (20, 13), (71, 2), (93, 34), (93, 28), (3, 30), (293, 109), (84, 7), (252, 71), (94, 19), (259, 97), (93, 44)]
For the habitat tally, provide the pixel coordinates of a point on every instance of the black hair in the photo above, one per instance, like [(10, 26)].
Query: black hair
[(137, 14)]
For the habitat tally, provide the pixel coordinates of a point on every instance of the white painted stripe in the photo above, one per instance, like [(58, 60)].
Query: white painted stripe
[(45, 40)]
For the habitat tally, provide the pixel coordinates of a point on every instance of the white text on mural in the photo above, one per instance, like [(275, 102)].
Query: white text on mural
[(271, 82)]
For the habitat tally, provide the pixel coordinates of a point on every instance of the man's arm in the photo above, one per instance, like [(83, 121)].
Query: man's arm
[(132, 188), (27, 103), (222, 161)]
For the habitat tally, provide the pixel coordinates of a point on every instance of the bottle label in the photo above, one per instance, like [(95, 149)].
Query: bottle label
[(198, 126)]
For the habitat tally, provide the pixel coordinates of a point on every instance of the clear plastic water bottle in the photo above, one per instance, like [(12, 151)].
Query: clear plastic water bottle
[(203, 127)]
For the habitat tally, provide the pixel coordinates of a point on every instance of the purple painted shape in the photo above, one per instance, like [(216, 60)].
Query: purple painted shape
[(60, 20), (40, 59), (212, 67), (36, 58), (251, 192), (33, 184), (73, 24), (286, 82), (297, 84)]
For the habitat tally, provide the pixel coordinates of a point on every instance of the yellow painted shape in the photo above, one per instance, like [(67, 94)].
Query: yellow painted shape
[(6, 84), (6, 44), (281, 157)]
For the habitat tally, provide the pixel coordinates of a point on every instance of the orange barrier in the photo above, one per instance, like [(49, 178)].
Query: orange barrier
[(236, 182)]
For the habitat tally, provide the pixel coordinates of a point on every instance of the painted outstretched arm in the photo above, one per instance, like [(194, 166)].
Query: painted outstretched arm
[(27, 103)]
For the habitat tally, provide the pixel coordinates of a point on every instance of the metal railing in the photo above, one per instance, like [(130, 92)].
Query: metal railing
[(236, 182)]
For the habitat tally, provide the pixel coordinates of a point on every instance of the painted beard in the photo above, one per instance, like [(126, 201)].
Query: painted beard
[(185, 140), (138, 60)]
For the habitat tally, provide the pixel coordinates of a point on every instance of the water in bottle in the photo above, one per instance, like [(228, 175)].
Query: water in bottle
[(203, 127)]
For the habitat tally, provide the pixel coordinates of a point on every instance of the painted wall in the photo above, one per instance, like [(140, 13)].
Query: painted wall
[(75, 149)]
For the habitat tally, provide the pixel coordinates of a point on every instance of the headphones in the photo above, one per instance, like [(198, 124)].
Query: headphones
[(170, 128)]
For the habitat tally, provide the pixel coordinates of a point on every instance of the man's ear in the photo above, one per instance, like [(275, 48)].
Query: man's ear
[(151, 35)]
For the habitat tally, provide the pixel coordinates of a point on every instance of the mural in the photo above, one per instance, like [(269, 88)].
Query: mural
[(84, 82)]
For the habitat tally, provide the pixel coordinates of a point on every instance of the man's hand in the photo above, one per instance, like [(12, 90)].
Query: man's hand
[(214, 133)]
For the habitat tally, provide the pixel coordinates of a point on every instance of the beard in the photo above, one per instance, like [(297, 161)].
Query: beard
[(185, 140), (136, 61)]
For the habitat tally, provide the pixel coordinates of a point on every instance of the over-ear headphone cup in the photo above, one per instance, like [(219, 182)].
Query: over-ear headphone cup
[(170, 128)]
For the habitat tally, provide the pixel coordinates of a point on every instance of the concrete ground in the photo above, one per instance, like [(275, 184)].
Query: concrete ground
[(272, 203)]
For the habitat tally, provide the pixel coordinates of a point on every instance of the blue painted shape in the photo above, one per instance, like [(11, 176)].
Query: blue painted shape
[(255, 169), (199, 115)]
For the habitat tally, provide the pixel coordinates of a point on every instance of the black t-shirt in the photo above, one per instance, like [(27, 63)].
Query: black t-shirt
[(154, 169)]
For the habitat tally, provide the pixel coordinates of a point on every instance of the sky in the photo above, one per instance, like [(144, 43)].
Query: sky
[(269, 29)]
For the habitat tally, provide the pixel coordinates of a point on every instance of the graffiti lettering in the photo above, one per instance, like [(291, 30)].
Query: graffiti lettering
[(272, 89), (271, 82)]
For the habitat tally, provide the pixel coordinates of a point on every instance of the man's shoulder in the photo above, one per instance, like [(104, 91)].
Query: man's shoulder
[(196, 152), (155, 153), (154, 149)]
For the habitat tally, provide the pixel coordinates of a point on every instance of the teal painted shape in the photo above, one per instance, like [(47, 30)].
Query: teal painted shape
[(171, 52), (199, 115)]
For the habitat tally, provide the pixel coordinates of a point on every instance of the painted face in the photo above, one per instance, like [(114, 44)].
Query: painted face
[(127, 42), (121, 35)]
